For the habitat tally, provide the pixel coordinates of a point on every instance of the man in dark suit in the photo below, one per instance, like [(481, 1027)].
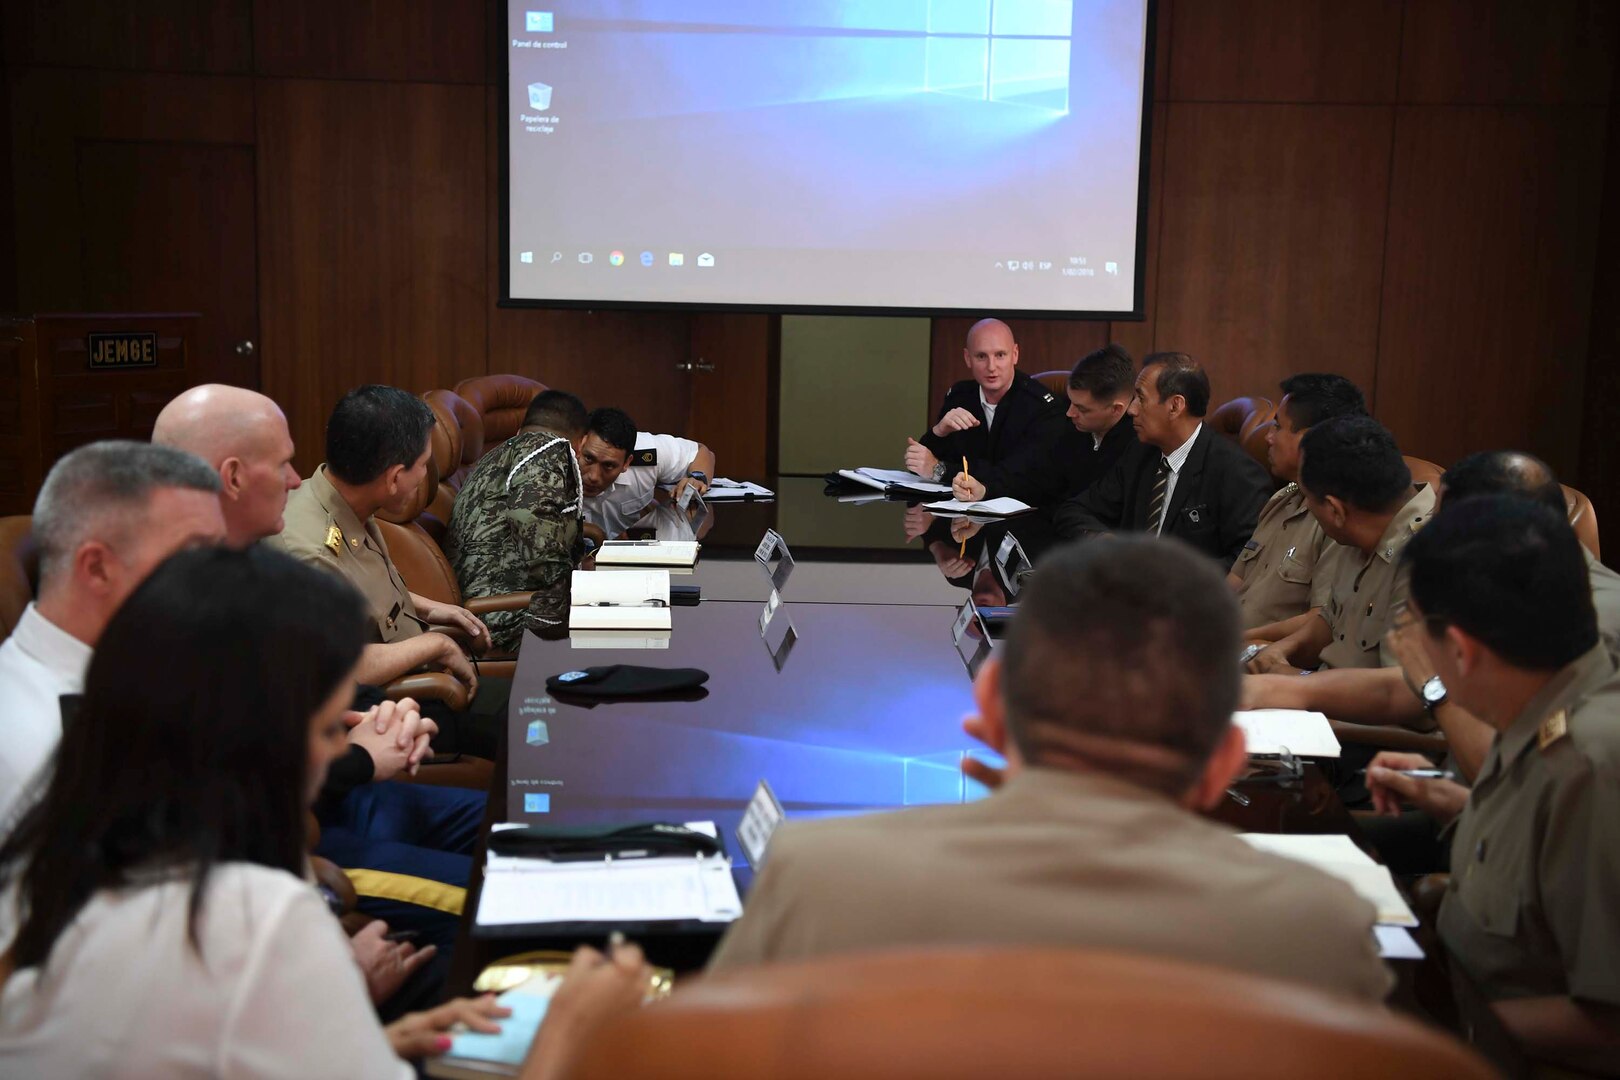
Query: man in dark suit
[(998, 413), (1098, 434), (1182, 479)]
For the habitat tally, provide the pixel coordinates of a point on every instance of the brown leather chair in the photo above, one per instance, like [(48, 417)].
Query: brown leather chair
[(19, 570), (422, 563), (463, 433), (500, 401), (446, 442), (1055, 381), (970, 1012), (1583, 518), (1246, 420), (1425, 472)]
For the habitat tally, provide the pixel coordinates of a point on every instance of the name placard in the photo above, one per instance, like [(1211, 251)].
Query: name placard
[(125, 349)]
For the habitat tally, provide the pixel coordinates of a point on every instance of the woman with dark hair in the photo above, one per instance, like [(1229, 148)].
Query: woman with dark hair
[(155, 918)]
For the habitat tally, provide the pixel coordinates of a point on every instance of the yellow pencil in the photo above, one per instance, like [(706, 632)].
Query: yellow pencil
[(962, 554)]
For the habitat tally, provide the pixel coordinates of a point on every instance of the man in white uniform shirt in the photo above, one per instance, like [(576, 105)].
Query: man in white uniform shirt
[(622, 469), (106, 516)]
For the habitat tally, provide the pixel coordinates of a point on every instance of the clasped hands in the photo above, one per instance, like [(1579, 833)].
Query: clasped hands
[(395, 734)]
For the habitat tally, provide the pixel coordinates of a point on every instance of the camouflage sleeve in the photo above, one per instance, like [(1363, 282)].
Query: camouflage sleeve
[(543, 526)]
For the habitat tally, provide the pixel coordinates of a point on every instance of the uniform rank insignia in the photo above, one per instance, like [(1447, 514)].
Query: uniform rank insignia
[(334, 540), (649, 456), (1552, 729)]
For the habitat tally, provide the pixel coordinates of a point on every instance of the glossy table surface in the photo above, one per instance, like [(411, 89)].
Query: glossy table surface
[(863, 713)]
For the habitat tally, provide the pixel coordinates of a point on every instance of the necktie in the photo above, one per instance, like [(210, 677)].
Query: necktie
[(1156, 503)]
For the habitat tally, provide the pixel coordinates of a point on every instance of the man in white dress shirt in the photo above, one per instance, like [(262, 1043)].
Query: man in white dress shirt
[(106, 516), (622, 469)]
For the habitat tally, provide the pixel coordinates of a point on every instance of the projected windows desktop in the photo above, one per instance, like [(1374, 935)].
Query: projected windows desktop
[(839, 154)]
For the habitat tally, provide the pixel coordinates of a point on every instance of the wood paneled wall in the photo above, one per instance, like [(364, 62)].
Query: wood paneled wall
[(1405, 191)]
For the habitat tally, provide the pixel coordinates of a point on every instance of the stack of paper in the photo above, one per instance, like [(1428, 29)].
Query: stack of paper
[(624, 600), (1337, 854), (723, 490), (618, 639), (524, 892), (1002, 507), (886, 479), (647, 553), (1301, 733)]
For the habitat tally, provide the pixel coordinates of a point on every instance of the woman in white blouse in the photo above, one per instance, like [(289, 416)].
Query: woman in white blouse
[(155, 919)]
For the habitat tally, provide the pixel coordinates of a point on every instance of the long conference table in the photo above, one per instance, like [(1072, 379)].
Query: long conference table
[(863, 713)]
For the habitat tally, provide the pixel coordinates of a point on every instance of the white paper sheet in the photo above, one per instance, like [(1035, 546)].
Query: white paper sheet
[(1337, 855), (1304, 734), (884, 478), (519, 891), (1006, 506), (1397, 943), (723, 490), (647, 553)]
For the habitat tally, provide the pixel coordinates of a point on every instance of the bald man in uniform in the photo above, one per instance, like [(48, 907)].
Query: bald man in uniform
[(1000, 420)]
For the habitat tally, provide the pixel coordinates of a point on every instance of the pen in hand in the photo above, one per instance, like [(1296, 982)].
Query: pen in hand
[(962, 554)]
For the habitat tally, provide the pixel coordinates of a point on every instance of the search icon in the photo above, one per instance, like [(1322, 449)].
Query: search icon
[(556, 256)]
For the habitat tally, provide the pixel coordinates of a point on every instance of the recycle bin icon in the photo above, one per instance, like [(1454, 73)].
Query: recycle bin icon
[(539, 95)]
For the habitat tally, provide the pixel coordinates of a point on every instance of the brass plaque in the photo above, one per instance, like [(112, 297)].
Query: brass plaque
[(115, 351)]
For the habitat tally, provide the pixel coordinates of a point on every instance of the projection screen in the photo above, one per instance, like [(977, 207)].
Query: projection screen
[(852, 156)]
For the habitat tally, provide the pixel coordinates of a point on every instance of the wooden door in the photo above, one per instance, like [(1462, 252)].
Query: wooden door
[(167, 226), (731, 361)]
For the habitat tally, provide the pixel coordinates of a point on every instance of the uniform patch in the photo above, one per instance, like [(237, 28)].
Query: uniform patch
[(649, 456), (334, 540), (1552, 729), (572, 676)]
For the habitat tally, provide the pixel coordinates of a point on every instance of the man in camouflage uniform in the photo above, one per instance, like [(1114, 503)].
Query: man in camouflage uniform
[(516, 522)]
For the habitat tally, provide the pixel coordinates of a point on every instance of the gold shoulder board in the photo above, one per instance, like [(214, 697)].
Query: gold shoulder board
[(1552, 729)]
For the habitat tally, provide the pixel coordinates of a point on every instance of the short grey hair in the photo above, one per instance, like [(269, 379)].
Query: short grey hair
[(101, 492)]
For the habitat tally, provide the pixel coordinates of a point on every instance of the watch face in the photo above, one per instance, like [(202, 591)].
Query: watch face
[(1434, 690)]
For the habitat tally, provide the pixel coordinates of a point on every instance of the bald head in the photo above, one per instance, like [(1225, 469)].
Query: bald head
[(1503, 472), (992, 357), (243, 435)]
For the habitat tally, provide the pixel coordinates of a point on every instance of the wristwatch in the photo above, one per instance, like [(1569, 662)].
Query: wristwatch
[(939, 472), (698, 474), (1433, 694)]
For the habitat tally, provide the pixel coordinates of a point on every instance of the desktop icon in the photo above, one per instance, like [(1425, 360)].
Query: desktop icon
[(646, 258), (539, 95), (585, 257), (677, 259), (705, 259), (1111, 268), (526, 256), (616, 258), (537, 22)]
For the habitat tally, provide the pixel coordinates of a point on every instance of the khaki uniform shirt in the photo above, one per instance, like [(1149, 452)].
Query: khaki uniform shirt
[(1605, 596), (1055, 858), (1533, 906), (319, 528), (1366, 589), (1286, 568)]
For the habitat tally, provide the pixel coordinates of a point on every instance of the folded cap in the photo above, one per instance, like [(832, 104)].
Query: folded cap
[(625, 680)]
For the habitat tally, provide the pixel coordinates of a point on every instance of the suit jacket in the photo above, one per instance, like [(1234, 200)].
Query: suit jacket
[(1029, 421), (1218, 496), (1072, 465), (1055, 858)]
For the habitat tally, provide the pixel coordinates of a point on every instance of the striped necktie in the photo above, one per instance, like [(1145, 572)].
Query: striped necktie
[(1156, 504)]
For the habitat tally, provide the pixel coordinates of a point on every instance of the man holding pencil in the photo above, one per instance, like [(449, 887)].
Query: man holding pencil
[(990, 418)]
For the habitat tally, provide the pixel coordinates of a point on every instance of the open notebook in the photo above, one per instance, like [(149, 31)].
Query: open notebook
[(621, 600)]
